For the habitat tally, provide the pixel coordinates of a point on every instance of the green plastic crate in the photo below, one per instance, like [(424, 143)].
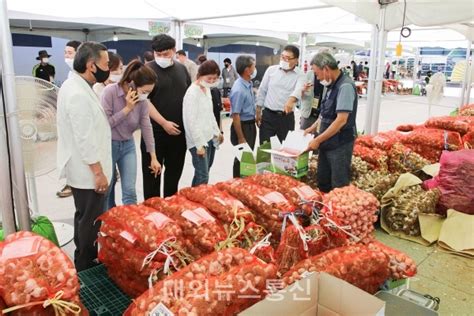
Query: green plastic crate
[(100, 295)]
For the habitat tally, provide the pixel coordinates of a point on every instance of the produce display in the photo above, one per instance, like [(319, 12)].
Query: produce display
[(467, 110), (376, 158), (226, 278), (401, 266), (356, 209), (468, 140), (430, 142), (32, 271), (311, 177), (356, 264), (198, 225), (359, 167), (296, 192), (324, 236), (223, 205), (460, 124), (402, 159), (402, 213), (376, 182)]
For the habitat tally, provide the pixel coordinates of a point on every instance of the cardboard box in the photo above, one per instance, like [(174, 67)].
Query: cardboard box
[(318, 294), (290, 158), (253, 162)]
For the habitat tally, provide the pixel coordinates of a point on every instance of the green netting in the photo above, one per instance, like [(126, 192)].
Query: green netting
[(100, 295)]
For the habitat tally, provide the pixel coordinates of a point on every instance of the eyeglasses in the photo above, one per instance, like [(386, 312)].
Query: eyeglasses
[(287, 58)]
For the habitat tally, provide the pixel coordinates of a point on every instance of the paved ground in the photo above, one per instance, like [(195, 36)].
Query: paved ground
[(446, 276)]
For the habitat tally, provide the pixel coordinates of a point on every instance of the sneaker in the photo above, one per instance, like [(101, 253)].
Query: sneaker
[(65, 192)]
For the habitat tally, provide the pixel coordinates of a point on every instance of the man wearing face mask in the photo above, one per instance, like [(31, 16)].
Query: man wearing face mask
[(242, 100), (44, 70), (281, 88), (166, 113), (229, 75), (69, 53), (84, 147), (338, 124)]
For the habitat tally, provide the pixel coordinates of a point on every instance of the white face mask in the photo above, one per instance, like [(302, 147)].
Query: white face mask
[(209, 85), (45, 60), (115, 78), (325, 82), (254, 74), (163, 62), (143, 96), (69, 62), (284, 65)]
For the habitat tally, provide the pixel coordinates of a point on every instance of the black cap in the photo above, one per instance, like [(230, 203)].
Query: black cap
[(42, 54)]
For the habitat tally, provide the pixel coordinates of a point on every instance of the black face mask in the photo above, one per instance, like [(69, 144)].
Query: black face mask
[(226, 65), (101, 75)]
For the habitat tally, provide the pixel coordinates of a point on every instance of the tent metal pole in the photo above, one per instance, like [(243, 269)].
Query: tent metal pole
[(381, 43), (469, 81), (371, 82), (302, 49), (178, 27), (18, 172), (466, 74), (6, 201)]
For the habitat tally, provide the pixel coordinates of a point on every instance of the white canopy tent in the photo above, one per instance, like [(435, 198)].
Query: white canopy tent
[(328, 21)]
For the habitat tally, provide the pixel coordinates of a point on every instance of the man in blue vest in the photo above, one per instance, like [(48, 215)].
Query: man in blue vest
[(337, 132)]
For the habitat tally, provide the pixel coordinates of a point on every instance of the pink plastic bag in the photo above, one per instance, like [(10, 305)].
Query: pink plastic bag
[(455, 181)]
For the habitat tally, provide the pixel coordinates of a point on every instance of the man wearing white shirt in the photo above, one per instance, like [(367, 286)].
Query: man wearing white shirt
[(69, 53), (281, 88), (84, 147)]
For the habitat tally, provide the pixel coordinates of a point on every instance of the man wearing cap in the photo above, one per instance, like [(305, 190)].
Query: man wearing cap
[(44, 70), (229, 75)]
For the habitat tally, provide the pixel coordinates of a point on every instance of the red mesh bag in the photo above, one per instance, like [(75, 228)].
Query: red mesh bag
[(401, 266), (455, 181), (402, 159), (32, 271), (220, 203), (365, 140), (262, 200), (296, 192), (467, 110), (429, 143), (355, 264), (385, 140), (468, 140), (195, 221), (292, 248), (190, 279), (460, 124), (325, 236), (374, 156), (353, 208)]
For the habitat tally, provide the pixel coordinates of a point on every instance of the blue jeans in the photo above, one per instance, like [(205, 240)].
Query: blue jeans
[(124, 157), (202, 164), (334, 167)]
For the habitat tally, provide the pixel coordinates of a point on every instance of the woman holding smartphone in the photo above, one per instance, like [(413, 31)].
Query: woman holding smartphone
[(126, 105)]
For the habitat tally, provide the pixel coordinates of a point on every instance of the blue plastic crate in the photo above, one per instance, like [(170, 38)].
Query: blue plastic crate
[(100, 295)]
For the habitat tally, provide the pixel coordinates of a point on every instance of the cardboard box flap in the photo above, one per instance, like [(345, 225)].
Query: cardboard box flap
[(318, 294), (293, 146)]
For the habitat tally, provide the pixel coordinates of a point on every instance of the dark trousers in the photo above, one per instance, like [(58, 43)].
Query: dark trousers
[(276, 123), (250, 133), (89, 206), (334, 167), (171, 153)]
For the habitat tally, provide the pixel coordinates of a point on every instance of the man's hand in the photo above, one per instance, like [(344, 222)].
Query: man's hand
[(289, 106), (201, 151), (313, 145), (258, 118), (310, 130), (101, 183), (171, 128), (242, 141), (307, 87)]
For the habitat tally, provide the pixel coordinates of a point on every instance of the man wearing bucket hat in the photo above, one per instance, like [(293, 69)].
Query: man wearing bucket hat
[(44, 70)]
